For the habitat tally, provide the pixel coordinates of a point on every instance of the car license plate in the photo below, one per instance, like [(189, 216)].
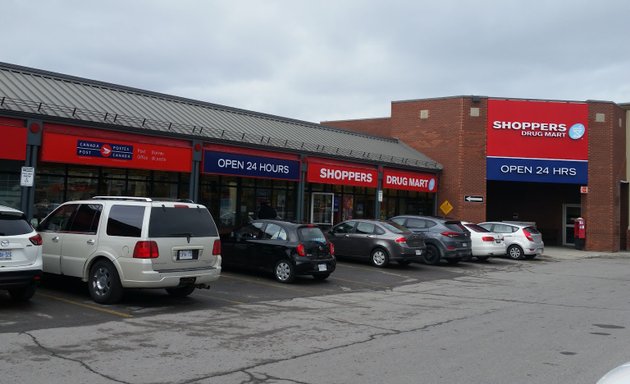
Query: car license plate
[(5, 255), (418, 251), (185, 254), (322, 267)]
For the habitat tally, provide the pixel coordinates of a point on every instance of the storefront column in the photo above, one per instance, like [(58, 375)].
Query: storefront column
[(379, 194), (300, 192), (33, 143), (193, 191)]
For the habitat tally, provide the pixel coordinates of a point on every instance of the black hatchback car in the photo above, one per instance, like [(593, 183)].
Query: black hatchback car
[(284, 248), (379, 241), (446, 239)]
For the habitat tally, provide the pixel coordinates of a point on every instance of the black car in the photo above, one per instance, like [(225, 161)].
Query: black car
[(446, 239), (379, 241), (284, 248)]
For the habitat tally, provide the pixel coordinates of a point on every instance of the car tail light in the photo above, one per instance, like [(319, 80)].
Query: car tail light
[(487, 238), (401, 240), (451, 234), (36, 240), (528, 235), (331, 246), (146, 250), (301, 251), (216, 248)]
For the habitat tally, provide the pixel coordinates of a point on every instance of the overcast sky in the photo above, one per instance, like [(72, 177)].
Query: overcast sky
[(324, 60)]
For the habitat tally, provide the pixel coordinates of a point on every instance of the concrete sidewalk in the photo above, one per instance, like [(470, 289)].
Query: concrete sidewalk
[(556, 252)]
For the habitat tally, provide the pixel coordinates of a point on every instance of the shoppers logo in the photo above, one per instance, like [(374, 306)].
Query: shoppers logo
[(104, 150), (577, 131)]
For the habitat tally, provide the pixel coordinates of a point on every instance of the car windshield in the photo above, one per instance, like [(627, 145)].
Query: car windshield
[(476, 228), (393, 227), (176, 222), (311, 234), (532, 230), (455, 226), (12, 224)]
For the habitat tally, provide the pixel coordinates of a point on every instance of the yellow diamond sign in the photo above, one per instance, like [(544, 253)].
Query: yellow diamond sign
[(446, 207)]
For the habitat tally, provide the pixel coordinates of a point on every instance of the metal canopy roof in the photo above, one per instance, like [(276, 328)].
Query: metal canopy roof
[(41, 93)]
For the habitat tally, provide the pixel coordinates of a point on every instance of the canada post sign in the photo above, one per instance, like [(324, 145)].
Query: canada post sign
[(537, 141), (99, 149), (250, 166)]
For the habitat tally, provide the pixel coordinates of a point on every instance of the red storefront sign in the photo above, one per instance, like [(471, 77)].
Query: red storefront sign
[(331, 172), (106, 150), (13, 143), (411, 181)]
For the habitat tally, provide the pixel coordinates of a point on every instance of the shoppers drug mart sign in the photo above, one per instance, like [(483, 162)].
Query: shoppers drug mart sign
[(411, 181), (341, 174), (537, 141)]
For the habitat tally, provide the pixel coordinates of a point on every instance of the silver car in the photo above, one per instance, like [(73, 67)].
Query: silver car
[(523, 240), (20, 255), (485, 243)]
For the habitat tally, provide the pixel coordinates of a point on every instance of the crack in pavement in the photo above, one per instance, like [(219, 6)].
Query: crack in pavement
[(83, 364)]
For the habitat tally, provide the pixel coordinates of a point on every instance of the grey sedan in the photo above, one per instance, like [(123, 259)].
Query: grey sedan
[(378, 241)]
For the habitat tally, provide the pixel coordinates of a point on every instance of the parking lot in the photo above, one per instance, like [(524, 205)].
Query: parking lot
[(65, 302)]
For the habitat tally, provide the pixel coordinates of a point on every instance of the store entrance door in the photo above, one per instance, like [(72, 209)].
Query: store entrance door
[(570, 212), (322, 205)]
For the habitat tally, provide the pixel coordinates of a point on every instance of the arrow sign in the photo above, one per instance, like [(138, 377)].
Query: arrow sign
[(474, 199)]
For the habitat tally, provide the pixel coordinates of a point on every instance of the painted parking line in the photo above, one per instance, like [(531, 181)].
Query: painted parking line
[(89, 306)]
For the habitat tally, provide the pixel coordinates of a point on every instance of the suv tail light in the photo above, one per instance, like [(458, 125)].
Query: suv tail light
[(216, 248), (331, 247), (146, 250), (451, 234), (301, 251), (487, 238), (528, 235), (401, 240), (36, 240)]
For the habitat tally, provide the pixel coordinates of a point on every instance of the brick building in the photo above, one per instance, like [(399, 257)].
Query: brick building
[(524, 160)]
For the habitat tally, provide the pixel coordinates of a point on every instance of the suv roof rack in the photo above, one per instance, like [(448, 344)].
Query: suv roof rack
[(172, 200), (132, 198)]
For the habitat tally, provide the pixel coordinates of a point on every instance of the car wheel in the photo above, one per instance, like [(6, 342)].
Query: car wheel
[(284, 271), (181, 291), (432, 255), (482, 258), (23, 293), (321, 276), (379, 258), (515, 252), (104, 283)]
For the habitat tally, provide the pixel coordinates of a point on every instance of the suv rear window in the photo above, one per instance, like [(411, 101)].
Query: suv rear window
[(311, 234), (181, 222), (12, 224)]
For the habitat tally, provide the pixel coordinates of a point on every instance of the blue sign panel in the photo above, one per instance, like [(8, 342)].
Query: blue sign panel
[(252, 166), (537, 170)]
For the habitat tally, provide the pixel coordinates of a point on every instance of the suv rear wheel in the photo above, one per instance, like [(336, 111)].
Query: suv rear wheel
[(432, 255), (104, 283)]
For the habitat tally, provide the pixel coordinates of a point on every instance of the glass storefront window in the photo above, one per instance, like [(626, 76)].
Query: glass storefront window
[(10, 190)]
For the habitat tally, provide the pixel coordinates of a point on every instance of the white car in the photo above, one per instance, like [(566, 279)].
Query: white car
[(20, 255), (619, 375), (114, 242), (485, 243), (522, 239)]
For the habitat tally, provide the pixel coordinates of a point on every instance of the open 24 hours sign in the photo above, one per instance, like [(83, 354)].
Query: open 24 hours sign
[(537, 141)]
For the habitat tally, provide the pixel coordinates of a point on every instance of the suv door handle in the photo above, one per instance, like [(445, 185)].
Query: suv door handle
[(91, 242), (55, 239)]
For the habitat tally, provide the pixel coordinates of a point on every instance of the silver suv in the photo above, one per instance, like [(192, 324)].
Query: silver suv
[(114, 242)]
